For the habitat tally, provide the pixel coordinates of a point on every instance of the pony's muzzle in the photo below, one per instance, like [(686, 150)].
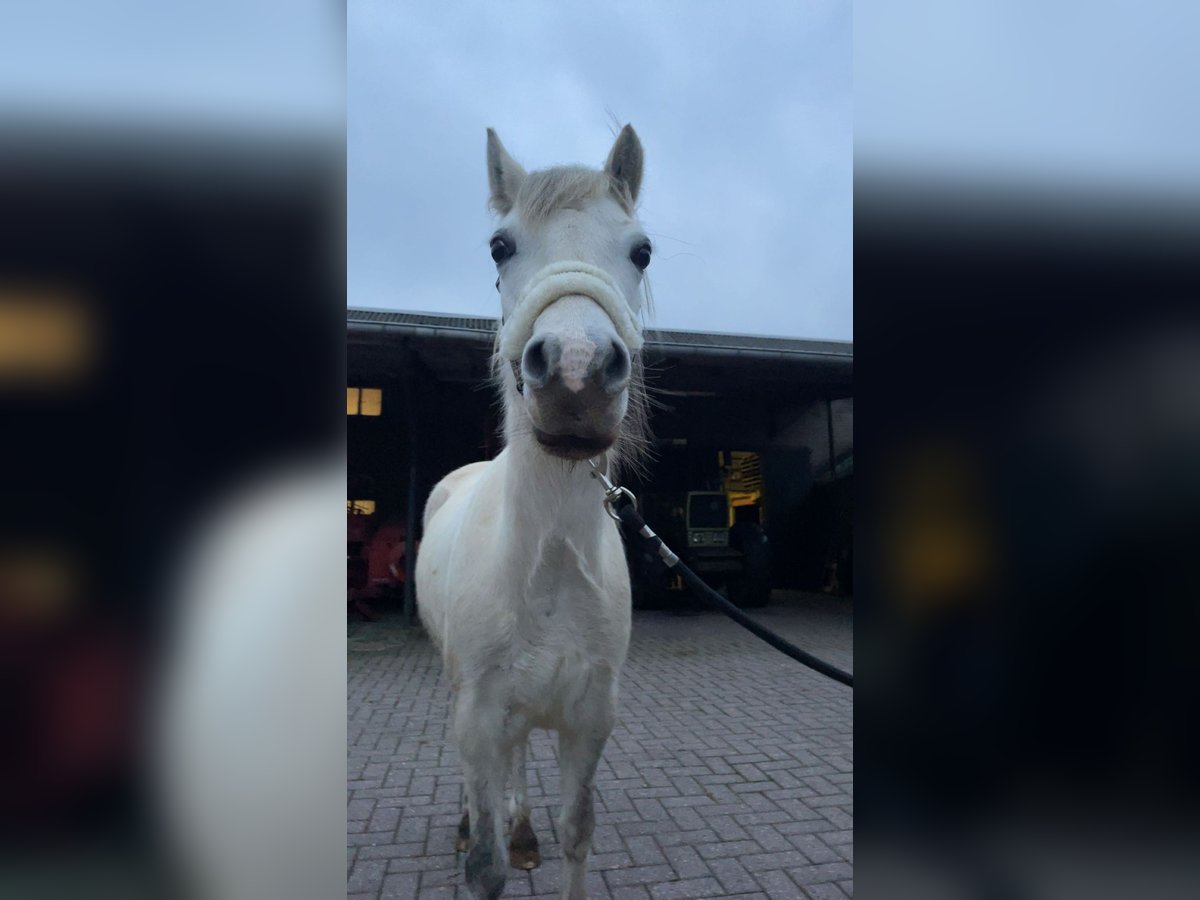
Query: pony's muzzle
[(593, 360), (575, 382)]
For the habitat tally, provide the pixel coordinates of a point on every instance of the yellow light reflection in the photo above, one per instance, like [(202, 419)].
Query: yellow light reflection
[(35, 583), (44, 336)]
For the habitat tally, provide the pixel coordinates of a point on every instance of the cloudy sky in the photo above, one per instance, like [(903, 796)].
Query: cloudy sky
[(745, 114)]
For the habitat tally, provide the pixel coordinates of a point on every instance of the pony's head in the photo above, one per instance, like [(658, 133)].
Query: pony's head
[(571, 256)]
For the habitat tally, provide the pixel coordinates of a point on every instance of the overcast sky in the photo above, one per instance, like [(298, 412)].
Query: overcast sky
[(745, 113)]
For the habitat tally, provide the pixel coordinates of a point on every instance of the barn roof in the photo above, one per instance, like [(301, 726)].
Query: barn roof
[(375, 335), (425, 323)]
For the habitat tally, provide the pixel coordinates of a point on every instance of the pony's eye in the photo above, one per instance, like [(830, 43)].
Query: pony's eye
[(640, 255), (502, 249)]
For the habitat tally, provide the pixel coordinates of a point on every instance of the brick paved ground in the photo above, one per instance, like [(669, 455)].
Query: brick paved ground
[(729, 772)]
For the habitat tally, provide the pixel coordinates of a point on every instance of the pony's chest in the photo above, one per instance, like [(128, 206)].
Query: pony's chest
[(573, 602), (573, 620), (558, 680), (570, 623), (563, 588)]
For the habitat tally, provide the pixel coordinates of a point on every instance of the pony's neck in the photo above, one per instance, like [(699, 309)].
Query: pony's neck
[(550, 498)]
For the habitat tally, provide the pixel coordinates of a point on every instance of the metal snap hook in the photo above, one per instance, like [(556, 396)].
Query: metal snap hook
[(611, 491)]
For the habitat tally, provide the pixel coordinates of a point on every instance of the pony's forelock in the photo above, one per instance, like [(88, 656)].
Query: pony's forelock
[(567, 187)]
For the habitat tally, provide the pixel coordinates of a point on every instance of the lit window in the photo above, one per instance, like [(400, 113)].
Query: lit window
[(372, 402), (364, 401), (360, 507)]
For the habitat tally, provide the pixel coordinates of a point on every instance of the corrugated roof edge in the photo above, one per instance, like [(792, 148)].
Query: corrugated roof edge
[(662, 337)]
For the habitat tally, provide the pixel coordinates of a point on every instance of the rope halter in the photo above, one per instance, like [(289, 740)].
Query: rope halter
[(567, 279)]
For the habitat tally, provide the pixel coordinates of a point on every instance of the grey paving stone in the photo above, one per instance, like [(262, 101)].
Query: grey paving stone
[(639, 875), (825, 891), (400, 887), (815, 849), (686, 862), (644, 850), (733, 876), (632, 892), (366, 876), (687, 890), (390, 851), (824, 872), (776, 884)]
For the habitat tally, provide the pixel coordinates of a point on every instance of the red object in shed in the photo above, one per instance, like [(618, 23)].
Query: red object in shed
[(387, 553)]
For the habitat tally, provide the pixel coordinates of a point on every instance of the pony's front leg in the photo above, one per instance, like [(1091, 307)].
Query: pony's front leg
[(579, 755), (485, 756), (462, 840), (523, 850)]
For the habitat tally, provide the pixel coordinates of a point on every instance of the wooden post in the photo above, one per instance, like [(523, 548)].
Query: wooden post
[(410, 529), (829, 420)]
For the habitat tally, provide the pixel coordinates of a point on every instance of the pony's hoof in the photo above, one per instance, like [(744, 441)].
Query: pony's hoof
[(524, 859), (523, 847)]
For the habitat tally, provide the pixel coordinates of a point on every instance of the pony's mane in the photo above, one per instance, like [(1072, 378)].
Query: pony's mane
[(567, 187)]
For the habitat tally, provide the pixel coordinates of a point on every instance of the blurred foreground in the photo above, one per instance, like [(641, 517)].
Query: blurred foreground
[(171, 288), (1028, 582), (1027, 316)]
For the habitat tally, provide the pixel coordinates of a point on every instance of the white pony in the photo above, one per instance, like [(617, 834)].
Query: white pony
[(521, 578)]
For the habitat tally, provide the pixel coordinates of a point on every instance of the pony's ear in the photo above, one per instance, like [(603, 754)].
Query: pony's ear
[(624, 164), (504, 175)]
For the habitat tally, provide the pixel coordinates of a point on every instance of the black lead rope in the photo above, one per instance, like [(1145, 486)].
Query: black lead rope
[(621, 506)]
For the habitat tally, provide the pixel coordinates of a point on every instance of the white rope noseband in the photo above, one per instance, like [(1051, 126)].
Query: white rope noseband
[(566, 279)]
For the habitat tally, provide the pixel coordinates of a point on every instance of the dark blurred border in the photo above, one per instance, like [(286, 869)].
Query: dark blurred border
[(173, 303), (1028, 391)]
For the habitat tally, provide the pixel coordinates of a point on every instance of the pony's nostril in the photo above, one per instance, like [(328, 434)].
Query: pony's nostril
[(616, 370), (535, 362)]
